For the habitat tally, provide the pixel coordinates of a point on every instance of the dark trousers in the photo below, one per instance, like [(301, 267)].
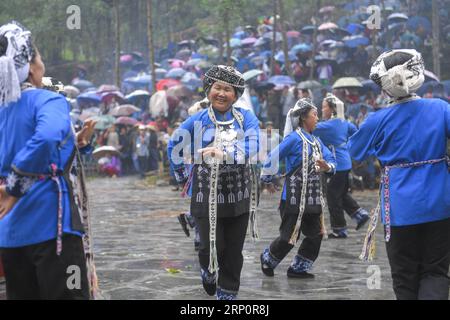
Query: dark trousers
[(35, 272), (419, 256), (339, 199), (143, 164), (311, 229), (230, 237)]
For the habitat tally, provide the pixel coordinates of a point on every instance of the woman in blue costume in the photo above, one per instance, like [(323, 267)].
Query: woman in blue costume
[(409, 138), (302, 199), (44, 236), (334, 132), (219, 142)]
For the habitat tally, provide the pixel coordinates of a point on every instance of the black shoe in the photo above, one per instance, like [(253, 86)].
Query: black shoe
[(196, 246), (182, 221), (208, 284), (299, 275), (268, 271)]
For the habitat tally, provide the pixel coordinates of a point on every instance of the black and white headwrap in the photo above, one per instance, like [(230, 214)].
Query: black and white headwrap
[(302, 107), (15, 61), (400, 73), (224, 74)]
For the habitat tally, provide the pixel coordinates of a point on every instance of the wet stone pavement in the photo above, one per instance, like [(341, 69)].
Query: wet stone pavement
[(142, 253)]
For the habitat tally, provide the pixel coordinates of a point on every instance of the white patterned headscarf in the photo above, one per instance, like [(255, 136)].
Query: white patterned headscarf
[(16, 53), (304, 105), (340, 114)]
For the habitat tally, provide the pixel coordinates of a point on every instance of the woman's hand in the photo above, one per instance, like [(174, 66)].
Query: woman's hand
[(85, 135), (7, 202), (212, 152), (323, 165)]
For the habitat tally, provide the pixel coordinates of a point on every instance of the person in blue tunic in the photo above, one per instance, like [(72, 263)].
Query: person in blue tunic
[(334, 133), (409, 138), (302, 201), (43, 205), (220, 143)]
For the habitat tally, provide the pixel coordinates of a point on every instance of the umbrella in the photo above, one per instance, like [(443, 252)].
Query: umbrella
[(193, 62), (160, 73), (103, 151), (107, 97), (347, 83), (143, 80), (82, 84), (124, 110), (204, 64), (71, 91), (281, 58), (176, 63), (321, 58), (398, 17), (166, 83), (430, 76), (433, 85), (263, 85), (418, 22), (269, 36), (302, 47), (240, 35), (356, 41), (126, 121), (293, 34), (183, 54), (175, 73), (191, 81), (258, 60), (248, 41), (209, 51), (86, 114), (261, 42), (103, 122), (179, 91), (234, 43), (369, 85), (132, 97), (89, 97), (327, 9), (355, 28), (328, 26), (252, 74), (310, 84), (107, 88), (281, 80), (446, 84), (126, 60), (308, 29)]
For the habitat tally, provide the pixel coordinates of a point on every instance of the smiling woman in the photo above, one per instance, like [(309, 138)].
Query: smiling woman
[(223, 183)]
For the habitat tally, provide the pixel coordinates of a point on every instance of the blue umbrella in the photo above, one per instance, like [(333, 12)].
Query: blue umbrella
[(355, 28), (282, 81), (139, 80), (240, 35), (89, 97), (308, 29), (302, 47), (281, 58), (356, 41), (82, 84), (175, 73), (415, 22), (266, 54), (433, 85), (446, 84), (369, 85)]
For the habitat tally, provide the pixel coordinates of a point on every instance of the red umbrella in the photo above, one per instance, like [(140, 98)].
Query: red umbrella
[(293, 34), (107, 97), (328, 26), (124, 110), (127, 121), (107, 88), (166, 84), (176, 63), (179, 91)]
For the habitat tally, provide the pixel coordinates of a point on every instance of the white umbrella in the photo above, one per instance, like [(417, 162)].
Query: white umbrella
[(102, 151), (347, 83)]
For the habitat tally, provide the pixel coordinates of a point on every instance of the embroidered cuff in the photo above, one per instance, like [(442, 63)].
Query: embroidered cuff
[(18, 185), (332, 170), (180, 174)]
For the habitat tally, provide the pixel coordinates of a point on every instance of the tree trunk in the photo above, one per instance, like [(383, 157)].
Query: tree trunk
[(274, 38), (436, 44), (227, 35), (287, 62), (316, 24), (117, 49), (150, 43)]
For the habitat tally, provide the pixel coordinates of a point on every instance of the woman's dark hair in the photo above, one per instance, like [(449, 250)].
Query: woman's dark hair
[(302, 113), (332, 105)]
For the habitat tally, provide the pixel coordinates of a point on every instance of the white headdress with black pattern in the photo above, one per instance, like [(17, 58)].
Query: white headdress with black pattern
[(340, 113), (293, 116), (400, 73), (14, 61)]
